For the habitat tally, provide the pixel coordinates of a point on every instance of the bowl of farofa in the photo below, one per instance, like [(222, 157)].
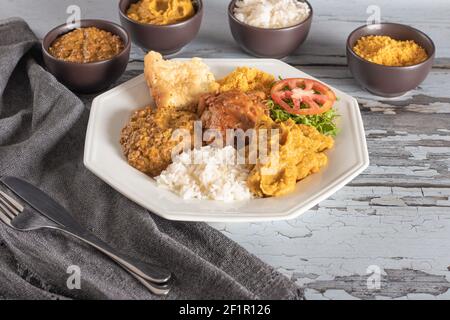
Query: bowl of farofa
[(269, 42), (153, 33), (88, 57), (389, 67)]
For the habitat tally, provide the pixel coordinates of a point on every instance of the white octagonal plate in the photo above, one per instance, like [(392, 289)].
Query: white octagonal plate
[(103, 155)]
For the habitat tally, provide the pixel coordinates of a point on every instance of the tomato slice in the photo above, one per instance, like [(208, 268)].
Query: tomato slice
[(303, 96)]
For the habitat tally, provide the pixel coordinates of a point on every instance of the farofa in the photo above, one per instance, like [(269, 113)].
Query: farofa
[(247, 79), (147, 139), (389, 52)]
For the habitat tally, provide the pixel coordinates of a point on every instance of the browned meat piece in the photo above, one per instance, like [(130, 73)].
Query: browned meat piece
[(231, 110)]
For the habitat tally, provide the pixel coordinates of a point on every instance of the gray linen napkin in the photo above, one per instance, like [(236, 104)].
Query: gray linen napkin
[(42, 129)]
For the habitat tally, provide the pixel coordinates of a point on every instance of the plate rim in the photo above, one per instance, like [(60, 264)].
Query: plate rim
[(362, 159)]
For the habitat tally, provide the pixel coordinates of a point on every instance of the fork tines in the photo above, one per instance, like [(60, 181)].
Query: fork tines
[(9, 208)]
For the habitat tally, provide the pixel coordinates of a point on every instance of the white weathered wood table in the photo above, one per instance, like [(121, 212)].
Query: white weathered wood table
[(395, 217)]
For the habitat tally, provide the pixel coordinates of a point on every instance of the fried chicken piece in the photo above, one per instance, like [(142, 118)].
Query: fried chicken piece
[(231, 110), (178, 84)]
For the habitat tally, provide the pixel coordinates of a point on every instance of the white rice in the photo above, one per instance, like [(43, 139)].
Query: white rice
[(271, 13), (216, 176)]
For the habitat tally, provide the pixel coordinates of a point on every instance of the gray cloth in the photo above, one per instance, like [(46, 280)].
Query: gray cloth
[(42, 129)]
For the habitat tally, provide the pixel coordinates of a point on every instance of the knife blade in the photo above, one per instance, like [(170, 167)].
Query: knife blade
[(49, 208), (39, 201)]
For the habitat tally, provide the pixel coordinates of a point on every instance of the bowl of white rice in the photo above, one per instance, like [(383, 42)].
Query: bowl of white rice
[(270, 28)]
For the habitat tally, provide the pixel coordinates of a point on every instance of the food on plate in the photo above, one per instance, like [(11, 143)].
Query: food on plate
[(84, 45), (214, 176), (161, 12), (300, 153), (387, 51), (247, 79), (147, 139), (271, 14), (231, 110), (287, 126), (305, 101), (178, 84)]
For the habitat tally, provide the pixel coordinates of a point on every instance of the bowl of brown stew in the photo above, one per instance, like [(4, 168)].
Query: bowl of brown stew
[(89, 57), (150, 32)]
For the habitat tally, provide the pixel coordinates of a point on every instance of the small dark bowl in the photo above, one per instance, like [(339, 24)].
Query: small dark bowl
[(383, 80), (166, 39), (93, 76), (268, 43)]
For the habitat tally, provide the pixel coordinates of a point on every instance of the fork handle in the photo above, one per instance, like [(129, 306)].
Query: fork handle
[(155, 288), (147, 271)]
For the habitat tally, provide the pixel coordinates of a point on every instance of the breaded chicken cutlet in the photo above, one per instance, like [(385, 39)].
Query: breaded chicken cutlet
[(178, 84)]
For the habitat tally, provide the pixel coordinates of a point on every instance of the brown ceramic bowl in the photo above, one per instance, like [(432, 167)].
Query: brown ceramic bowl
[(268, 43), (166, 39), (383, 80), (87, 77)]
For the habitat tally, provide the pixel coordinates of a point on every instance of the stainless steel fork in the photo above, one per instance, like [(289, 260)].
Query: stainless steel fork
[(16, 216)]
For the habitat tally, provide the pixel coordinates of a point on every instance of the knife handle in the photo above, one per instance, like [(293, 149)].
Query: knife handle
[(147, 271)]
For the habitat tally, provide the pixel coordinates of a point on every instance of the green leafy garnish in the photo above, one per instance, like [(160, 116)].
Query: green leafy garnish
[(325, 123)]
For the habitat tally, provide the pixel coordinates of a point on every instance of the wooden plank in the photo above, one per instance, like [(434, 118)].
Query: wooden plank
[(396, 214), (328, 250), (333, 21), (408, 137)]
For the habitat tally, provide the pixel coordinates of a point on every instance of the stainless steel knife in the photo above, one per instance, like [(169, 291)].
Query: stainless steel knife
[(49, 208)]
